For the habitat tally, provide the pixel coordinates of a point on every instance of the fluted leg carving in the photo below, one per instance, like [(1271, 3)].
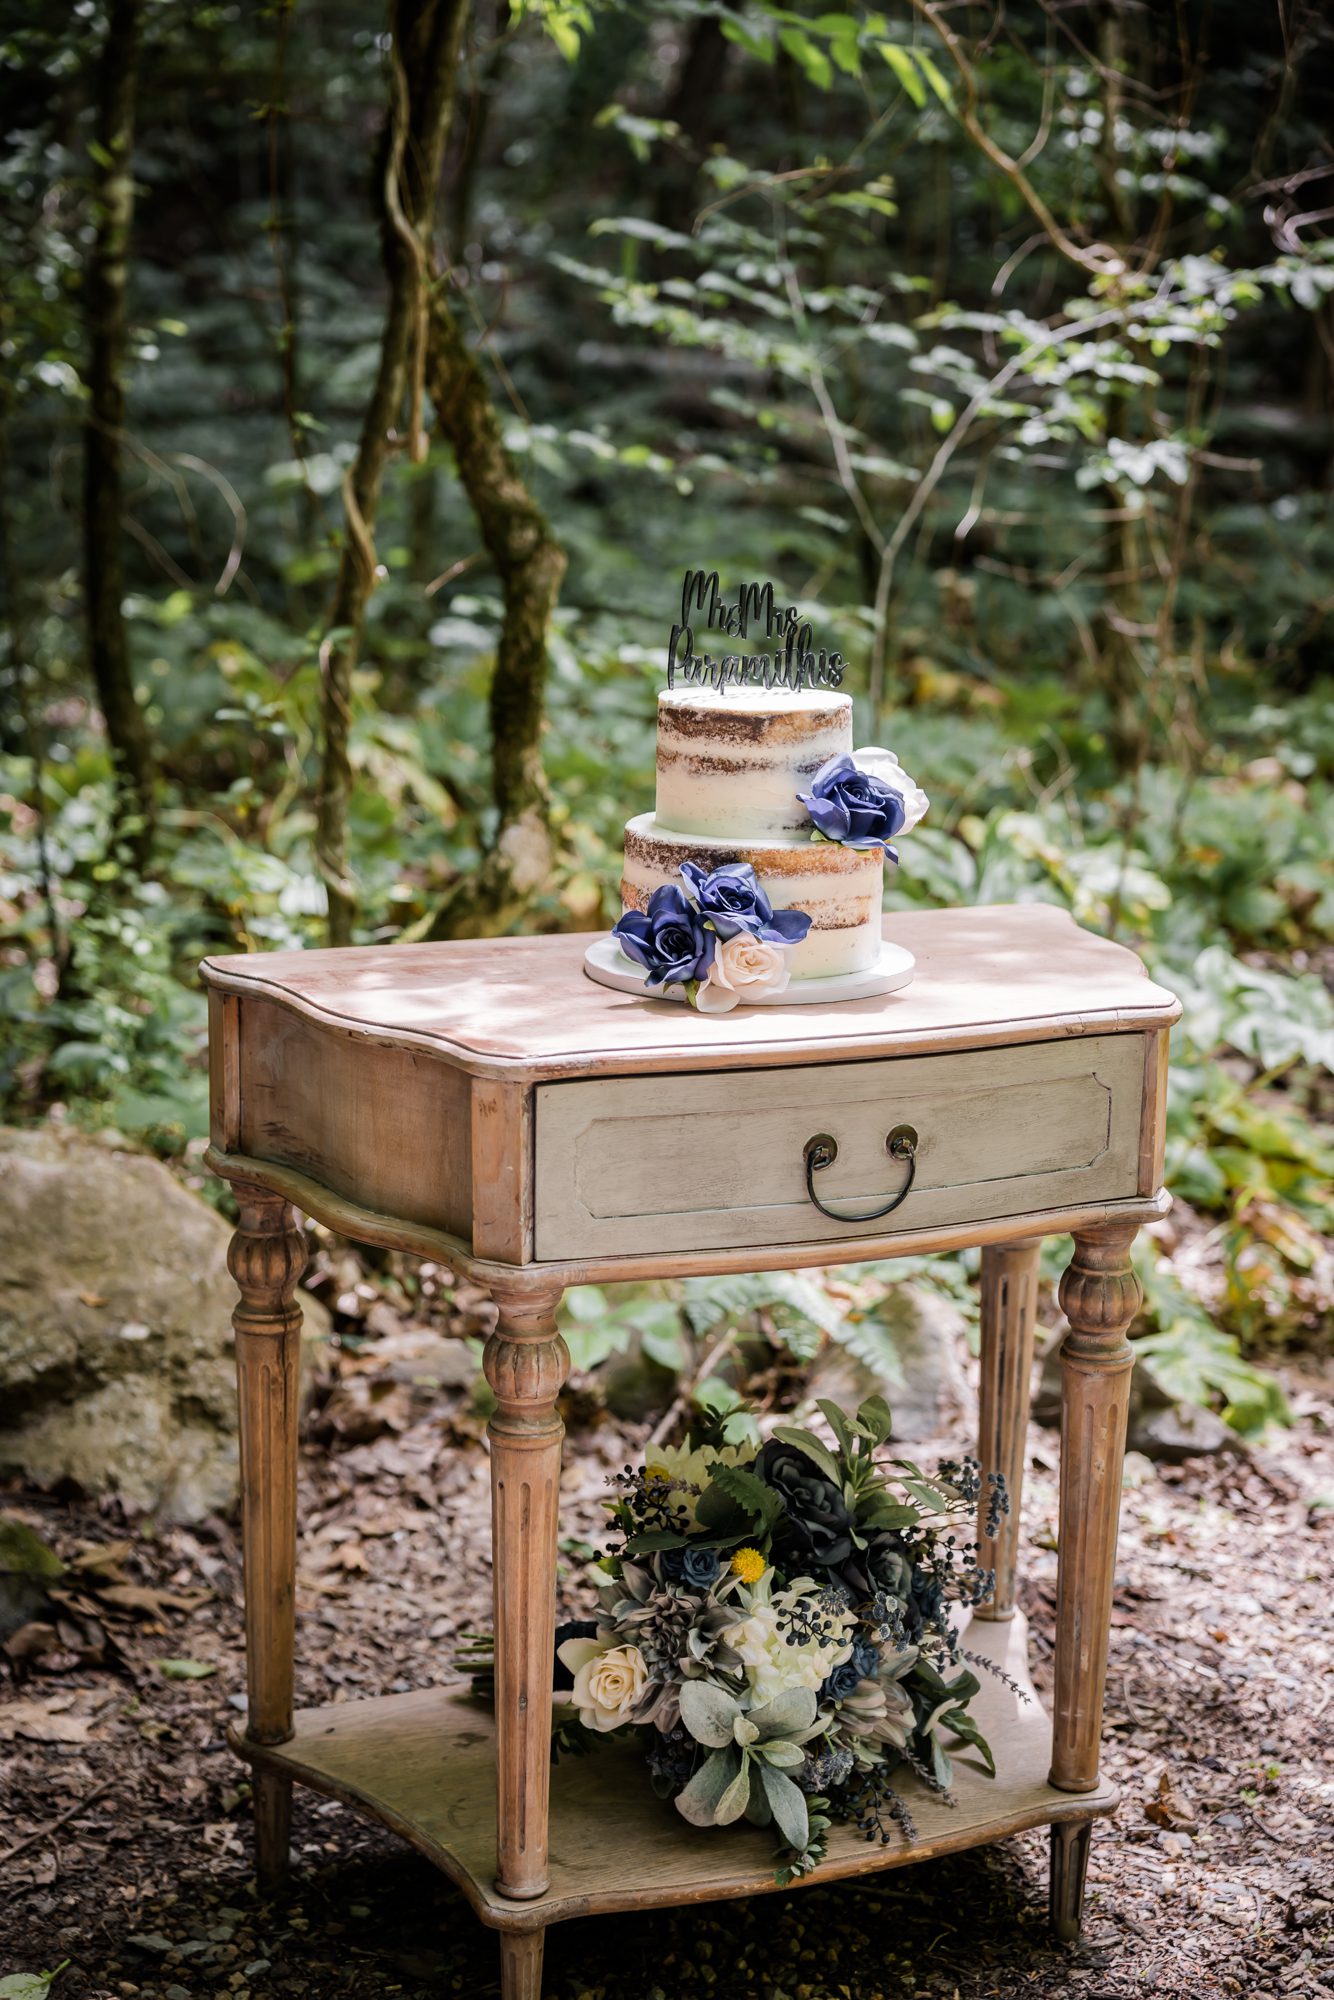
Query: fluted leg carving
[(1009, 1319), (1069, 1866), (266, 1258), (526, 1365), (521, 1965), (1101, 1295)]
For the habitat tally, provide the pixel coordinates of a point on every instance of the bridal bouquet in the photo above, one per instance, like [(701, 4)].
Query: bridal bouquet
[(774, 1627)]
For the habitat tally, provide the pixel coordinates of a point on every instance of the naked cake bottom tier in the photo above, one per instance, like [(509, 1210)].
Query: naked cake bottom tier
[(839, 888)]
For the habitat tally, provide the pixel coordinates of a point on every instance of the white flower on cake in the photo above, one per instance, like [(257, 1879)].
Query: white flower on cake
[(744, 968), (608, 1681), (883, 764)]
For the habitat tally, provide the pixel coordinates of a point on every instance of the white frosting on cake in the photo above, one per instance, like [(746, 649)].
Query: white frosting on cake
[(730, 764), (838, 887)]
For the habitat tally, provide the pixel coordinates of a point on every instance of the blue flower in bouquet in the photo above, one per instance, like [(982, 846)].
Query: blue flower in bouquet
[(669, 939), (693, 1566), (844, 1679), (853, 807), (731, 899)]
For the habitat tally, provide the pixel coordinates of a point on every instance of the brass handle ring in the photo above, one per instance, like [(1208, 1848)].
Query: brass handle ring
[(822, 1151)]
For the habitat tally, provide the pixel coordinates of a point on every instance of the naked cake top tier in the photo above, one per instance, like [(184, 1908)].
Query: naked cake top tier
[(730, 764)]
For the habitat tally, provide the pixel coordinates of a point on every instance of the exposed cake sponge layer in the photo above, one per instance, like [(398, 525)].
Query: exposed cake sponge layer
[(730, 765), (839, 888)]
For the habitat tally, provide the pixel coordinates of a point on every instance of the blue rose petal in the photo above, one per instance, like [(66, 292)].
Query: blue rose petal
[(670, 939), (854, 808), (732, 900)]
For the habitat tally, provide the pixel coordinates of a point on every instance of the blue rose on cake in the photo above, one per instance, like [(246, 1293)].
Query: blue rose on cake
[(731, 899), (720, 938), (759, 875), (670, 940), (864, 800)]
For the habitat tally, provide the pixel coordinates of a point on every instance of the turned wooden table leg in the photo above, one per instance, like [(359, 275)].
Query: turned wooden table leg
[(266, 1258), (1009, 1321), (1100, 1295), (526, 1364), (521, 1964)]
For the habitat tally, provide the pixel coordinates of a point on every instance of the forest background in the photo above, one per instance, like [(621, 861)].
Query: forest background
[(368, 380), (369, 374)]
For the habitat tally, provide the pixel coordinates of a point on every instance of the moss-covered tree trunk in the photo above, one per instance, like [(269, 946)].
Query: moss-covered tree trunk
[(423, 60), (530, 564), (104, 293)]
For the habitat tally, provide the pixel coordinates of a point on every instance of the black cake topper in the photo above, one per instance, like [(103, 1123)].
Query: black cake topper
[(790, 662)]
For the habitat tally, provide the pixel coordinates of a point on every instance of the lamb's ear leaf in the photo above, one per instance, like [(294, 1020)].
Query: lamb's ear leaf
[(736, 1798), (708, 1713), (782, 1755), (699, 1801), (793, 1709), (758, 1810), (789, 1805), (813, 1449)]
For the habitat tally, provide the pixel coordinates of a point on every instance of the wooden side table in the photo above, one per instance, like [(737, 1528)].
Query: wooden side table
[(484, 1104)]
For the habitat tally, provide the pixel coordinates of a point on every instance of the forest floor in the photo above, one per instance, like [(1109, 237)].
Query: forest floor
[(125, 1848)]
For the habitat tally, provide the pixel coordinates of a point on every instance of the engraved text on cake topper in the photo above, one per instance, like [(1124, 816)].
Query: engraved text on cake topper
[(790, 662)]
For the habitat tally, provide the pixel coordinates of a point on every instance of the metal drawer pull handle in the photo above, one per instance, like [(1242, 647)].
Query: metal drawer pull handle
[(822, 1151)]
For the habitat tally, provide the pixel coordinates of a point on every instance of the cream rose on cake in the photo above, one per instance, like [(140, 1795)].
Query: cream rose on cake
[(718, 939), (744, 968)]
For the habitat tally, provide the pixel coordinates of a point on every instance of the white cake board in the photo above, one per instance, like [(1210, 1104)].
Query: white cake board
[(607, 963)]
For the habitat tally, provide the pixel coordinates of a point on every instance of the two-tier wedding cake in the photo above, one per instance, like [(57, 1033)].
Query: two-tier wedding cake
[(758, 877)]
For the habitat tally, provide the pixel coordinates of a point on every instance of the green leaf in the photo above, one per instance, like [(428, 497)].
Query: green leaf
[(749, 1492), (735, 1799), (782, 1755), (708, 1712), (804, 52), (30, 1985), (933, 76), (789, 1806), (646, 1541), (877, 1417), (879, 1511), (792, 1710), (699, 1801), (837, 1423), (186, 1670), (813, 1449), (961, 1724), (902, 65)]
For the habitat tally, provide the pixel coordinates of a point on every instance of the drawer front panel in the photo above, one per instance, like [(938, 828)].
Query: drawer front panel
[(631, 1164)]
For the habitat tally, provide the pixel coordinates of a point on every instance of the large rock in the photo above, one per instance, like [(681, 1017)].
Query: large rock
[(914, 1356), (116, 1366)]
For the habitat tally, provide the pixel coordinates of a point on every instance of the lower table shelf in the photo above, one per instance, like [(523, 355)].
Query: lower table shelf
[(424, 1765)]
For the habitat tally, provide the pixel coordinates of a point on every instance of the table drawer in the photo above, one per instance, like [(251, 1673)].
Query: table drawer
[(717, 1160)]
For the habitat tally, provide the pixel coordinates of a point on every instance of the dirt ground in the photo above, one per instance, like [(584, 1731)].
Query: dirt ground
[(124, 1814)]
